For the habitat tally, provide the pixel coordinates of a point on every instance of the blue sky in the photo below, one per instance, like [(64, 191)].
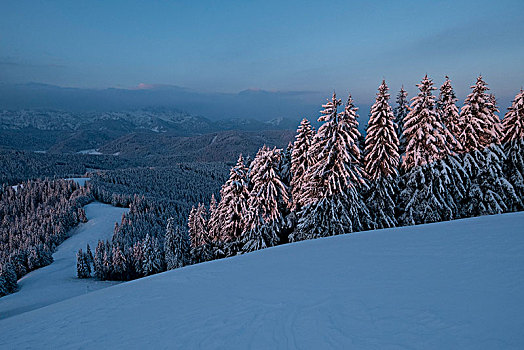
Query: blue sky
[(229, 46)]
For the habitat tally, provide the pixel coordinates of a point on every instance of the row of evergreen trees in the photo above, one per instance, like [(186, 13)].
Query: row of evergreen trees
[(422, 162)]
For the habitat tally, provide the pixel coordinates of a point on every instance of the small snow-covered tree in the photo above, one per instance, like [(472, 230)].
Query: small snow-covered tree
[(513, 142), (119, 264), (82, 267), (151, 262), (213, 224), (8, 281), (300, 162), (197, 224), (381, 161), (176, 246), (400, 112), (232, 208), (89, 255), (332, 202), (98, 263), (267, 199)]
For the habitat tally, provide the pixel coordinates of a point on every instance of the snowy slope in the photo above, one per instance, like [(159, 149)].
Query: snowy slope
[(453, 285), (57, 282)]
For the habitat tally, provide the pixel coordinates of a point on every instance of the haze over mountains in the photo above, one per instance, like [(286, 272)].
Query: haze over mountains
[(253, 104), (152, 120)]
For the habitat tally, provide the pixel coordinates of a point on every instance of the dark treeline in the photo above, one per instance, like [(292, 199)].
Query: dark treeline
[(34, 219), (19, 166)]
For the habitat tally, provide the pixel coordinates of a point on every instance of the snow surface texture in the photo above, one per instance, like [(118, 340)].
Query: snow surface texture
[(57, 282), (451, 285)]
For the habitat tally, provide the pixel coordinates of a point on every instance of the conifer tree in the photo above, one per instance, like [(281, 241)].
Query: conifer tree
[(150, 263), (332, 203), (423, 196), (284, 167), (233, 204), (176, 246), (119, 264), (489, 191), (89, 255), (425, 142), (82, 267), (453, 179), (98, 263), (300, 162), (213, 224), (8, 280), (513, 142), (268, 198), (479, 126), (381, 161), (449, 113), (400, 112)]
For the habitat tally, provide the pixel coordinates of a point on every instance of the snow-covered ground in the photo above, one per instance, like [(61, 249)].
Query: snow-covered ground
[(91, 151), (57, 282), (452, 285), (79, 180)]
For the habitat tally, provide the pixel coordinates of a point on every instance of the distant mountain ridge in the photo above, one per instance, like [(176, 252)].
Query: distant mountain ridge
[(248, 104), (148, 132)]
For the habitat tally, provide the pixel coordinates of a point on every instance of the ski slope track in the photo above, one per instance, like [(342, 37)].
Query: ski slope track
[(451, 285), (57, 282)]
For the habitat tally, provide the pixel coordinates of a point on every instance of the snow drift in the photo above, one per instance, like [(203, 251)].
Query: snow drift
[(438, 286)]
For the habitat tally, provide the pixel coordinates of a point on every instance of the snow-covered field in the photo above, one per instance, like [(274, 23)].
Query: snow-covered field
[(58, 281), (452, 285)]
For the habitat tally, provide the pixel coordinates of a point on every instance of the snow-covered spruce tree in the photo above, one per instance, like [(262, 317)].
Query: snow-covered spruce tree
[(452, 176), (449, 112), (513, 142), (400, 112), (89, 255), (332, 202), (8, 281), (381, 161), (489, 191), (213, 224), (201, 249), (197, 224), (300, 162), (479, 125), (151, 262), (232, 208), (267, 200), (119, 264), (98, 263), (176, 246), (284, 168), (82, 267), (423, 192)]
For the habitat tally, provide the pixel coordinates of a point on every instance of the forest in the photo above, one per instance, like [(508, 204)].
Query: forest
[(37, 216), (420, 162)]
